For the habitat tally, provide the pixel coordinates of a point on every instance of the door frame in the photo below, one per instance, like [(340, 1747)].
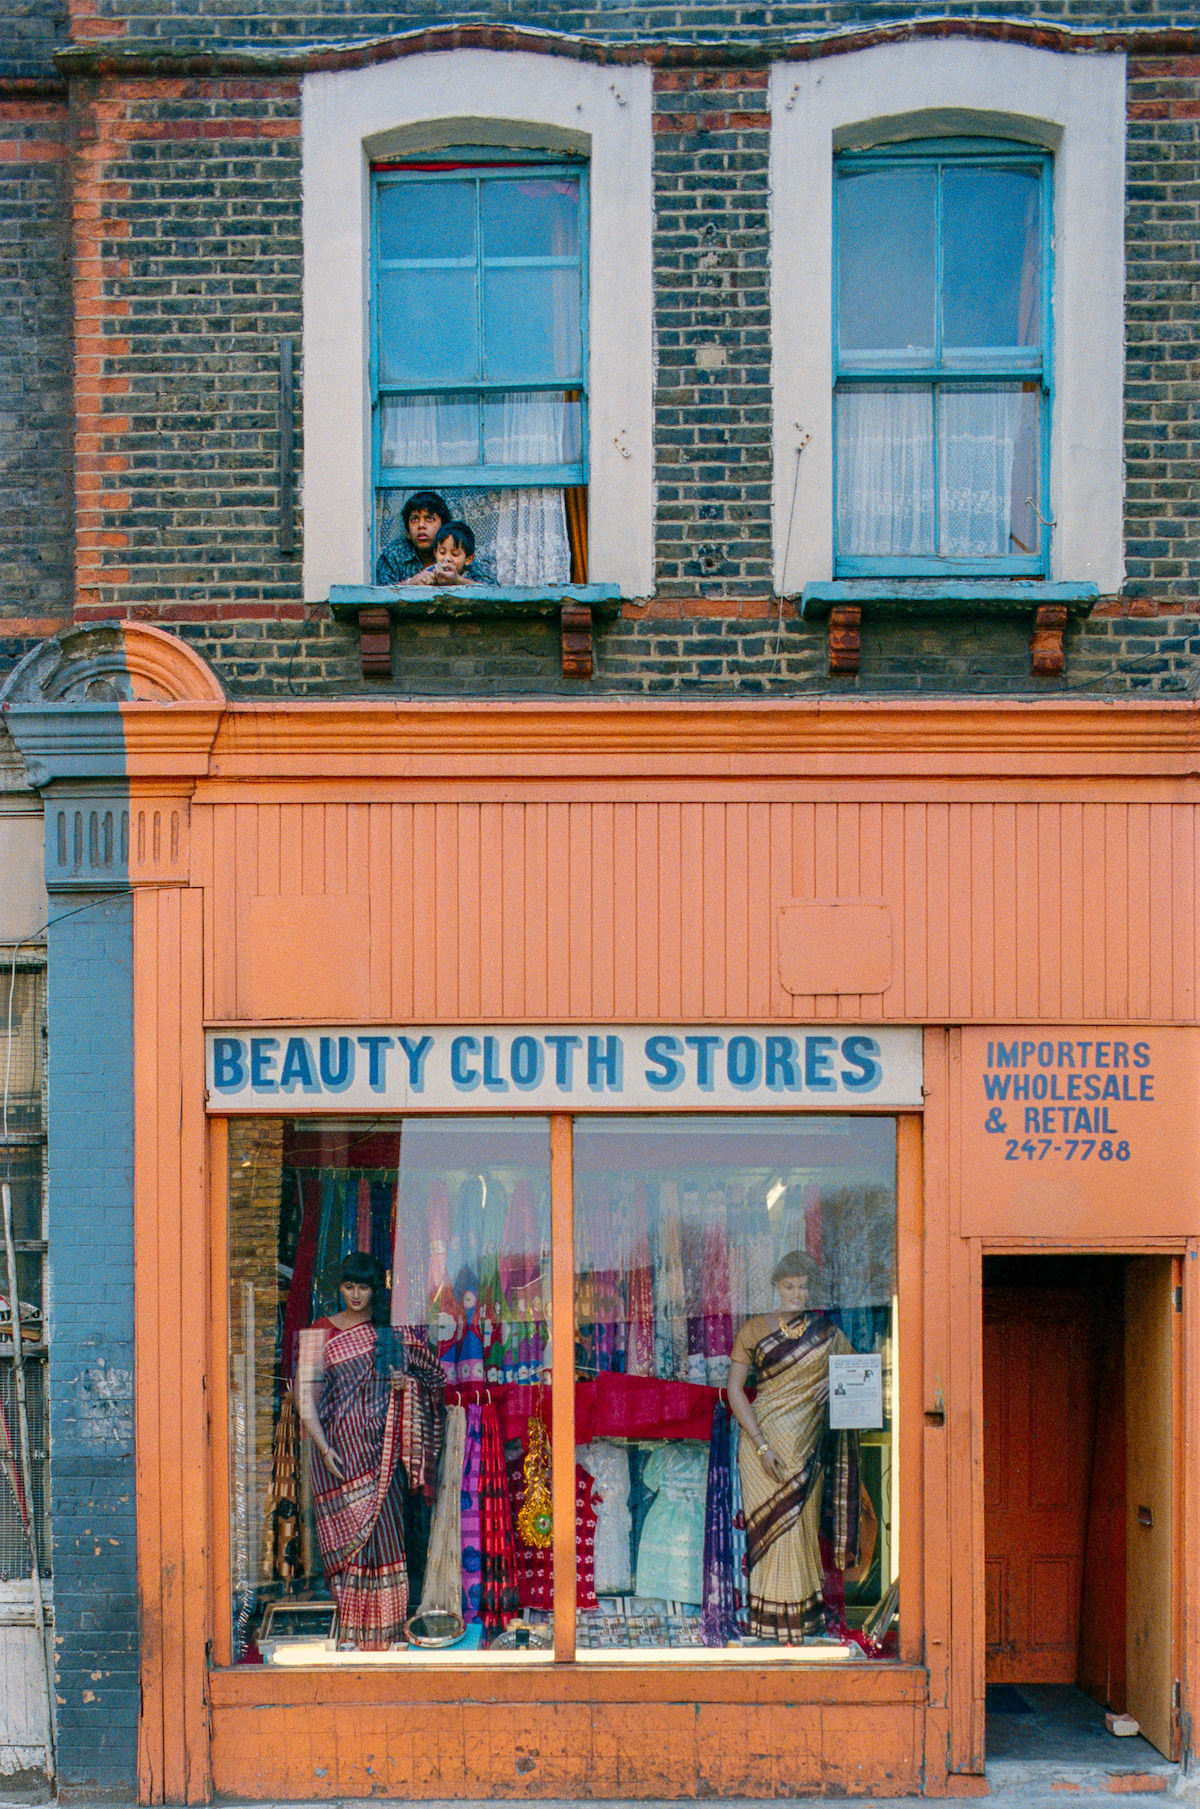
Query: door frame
[(1185, 1592)]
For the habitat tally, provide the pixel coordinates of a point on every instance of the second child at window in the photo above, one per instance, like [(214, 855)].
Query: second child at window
[(454, 551), (410, 555)]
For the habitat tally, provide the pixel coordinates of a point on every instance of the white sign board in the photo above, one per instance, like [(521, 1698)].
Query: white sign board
[(564, 1068), (856, 1392)]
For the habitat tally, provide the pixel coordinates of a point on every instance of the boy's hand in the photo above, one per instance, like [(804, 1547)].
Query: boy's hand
[(442, 572)]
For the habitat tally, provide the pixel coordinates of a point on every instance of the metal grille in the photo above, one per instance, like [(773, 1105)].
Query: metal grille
[(23, 1501), (14, 1549)]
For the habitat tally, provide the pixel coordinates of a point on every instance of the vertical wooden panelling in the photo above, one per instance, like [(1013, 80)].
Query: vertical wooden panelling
[(473, 918), (1025, 881), (1001, 912), (941, 1401), (513, 875), (1049, 819), (172, 1341)]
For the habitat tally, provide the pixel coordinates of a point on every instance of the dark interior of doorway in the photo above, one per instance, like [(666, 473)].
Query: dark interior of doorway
[(1054, 1457)]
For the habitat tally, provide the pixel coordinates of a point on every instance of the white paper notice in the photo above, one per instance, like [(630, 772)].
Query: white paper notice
[(856, 1392)]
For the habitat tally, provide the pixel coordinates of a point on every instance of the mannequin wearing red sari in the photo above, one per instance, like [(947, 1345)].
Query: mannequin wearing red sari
[(795, 1472), (373, 1434)]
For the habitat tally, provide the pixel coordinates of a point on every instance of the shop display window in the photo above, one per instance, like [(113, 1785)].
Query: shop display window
[(390, 1402)]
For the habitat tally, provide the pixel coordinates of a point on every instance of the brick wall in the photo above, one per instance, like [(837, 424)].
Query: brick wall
[(187, 275), (91, 1342), (35, 362), (712, 332), (1162, 374)]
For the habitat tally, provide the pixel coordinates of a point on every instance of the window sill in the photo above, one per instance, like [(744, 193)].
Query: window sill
[(376, 606), (843, 600)]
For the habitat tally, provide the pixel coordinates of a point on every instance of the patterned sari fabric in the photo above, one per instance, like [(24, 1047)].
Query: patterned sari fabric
[(784, 1521), (498, 1568), (360, 1519), (718, 1622)]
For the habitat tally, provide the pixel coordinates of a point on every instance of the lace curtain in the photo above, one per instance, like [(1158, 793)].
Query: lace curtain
[(987, 457), (520, 533)]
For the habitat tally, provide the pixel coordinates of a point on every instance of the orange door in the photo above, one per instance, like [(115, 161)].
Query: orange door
[(1039, 1414)]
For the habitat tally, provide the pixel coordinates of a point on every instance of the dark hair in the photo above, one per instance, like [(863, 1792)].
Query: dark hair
[(797, 1265), (457, 530), (363, 1268), (426, 499)]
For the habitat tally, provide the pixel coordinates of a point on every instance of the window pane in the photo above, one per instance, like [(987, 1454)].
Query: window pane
[(886, 259), (23, 1170), (532, 427), (21, 1054), (426, 219), (530, 219), (531, 329), (991, 257), (682, 1229), (989, 470), (429, 430), (448, 1223), (885, 500), (427, 326)]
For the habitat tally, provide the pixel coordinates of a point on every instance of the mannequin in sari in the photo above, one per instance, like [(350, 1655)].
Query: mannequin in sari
[(374, 1418), (799, 1479)]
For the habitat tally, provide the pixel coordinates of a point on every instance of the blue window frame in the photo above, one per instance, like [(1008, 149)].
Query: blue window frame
[(942, 367), (479, 323)]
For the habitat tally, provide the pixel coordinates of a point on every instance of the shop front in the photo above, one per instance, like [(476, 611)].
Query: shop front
[(620, 1193)]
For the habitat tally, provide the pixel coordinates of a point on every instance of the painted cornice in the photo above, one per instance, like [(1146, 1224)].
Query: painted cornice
[(123, 57), (734, 740)]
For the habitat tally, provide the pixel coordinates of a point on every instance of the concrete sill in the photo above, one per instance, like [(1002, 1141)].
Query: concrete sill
[(374, 607), (842, 602)]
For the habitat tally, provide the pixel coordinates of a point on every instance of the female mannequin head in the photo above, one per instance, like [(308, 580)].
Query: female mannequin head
[(361, 1271), (797, 1279)]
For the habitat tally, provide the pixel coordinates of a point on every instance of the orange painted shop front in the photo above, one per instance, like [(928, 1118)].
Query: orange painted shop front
[(998, 903)]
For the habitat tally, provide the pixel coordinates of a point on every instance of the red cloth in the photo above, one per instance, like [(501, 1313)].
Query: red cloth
[(612, 1406), (497, 1542), (535, 1563)]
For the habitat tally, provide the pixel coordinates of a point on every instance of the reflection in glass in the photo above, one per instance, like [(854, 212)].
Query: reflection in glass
[(991, 257), (530, 218), (378, 1276), (426, 219), (427, 328), (531, 324), (690, 1236), (886, 263)]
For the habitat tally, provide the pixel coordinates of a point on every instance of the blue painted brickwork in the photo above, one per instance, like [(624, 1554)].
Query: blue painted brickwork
[(91, 1343)]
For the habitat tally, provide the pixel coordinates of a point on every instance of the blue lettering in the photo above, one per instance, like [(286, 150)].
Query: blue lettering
[(1141, 1055), (704, 1047), (782, 1055), (866, 1067), (564, 1055), (604, 1064), (416, 1053), (1102, 1050), (818, 1063), (229, 1063), (1066, 1055), (1147, 1084), (1091, 1086), (1008, 1055), (493, 1080), (375, 1046), (1046, 1055), (262, 1062), (663, 1052), (462, 1076), (336, 1080), (743, 1062), (297, 1070), (995, 1087), (527, 1062), (1120, 1055)]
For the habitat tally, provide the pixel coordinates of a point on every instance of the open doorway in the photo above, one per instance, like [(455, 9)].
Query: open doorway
[(1081, 1400)]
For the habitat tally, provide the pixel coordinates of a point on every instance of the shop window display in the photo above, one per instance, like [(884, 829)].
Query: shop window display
[(390, 1331), (732, 1279)]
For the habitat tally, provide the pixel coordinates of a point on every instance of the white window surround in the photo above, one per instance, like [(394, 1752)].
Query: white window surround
[(1072, 104), (425, 103)]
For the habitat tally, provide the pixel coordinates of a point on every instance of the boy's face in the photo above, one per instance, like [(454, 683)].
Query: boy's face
[(450, 553), (423, 529)]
